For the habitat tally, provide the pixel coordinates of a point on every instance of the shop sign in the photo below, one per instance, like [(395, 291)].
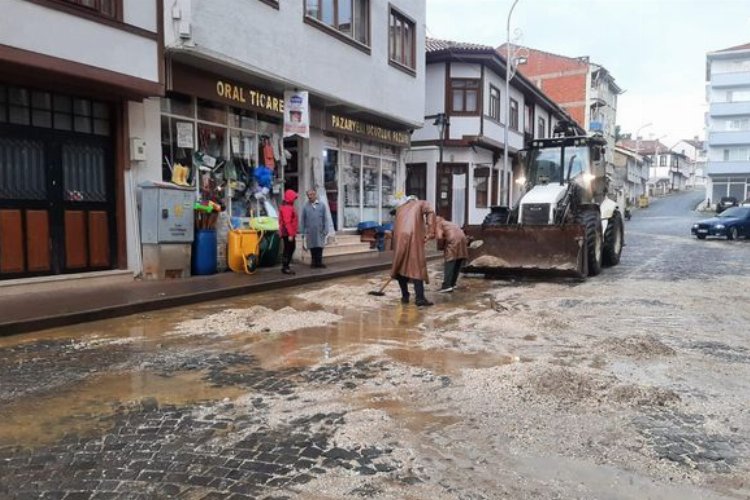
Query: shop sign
[(296, 114), (350, 126), (193, 81)]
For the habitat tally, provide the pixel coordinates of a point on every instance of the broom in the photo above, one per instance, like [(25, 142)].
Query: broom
[(380, 293)]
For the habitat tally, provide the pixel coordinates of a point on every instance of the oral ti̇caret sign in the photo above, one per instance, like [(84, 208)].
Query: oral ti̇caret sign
[(189, 80)]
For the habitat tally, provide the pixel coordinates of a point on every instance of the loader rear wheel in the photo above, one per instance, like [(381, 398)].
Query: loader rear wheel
[(613, 241), (594, 250)]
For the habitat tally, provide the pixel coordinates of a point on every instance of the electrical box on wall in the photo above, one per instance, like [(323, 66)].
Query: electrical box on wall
[(137, 149)]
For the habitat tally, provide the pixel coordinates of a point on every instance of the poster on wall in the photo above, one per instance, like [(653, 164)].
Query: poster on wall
[(184, 135), (296, 114)]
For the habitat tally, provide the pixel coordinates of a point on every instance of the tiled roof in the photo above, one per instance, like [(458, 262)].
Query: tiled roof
[(436, 45), (695, 144), (745, 46), (644, 147)]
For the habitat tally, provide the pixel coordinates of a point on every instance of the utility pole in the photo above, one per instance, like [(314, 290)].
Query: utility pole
[(509, 73)]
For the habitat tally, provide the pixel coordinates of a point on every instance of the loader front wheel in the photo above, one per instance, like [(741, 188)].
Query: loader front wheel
[(613, 240), (594, 244)]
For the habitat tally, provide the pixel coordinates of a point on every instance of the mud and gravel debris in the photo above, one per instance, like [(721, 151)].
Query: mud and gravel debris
[(350, 296), (255, 319), (636, 346)]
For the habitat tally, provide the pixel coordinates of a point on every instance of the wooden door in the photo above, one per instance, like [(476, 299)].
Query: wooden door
[(57, 208), (444, 204)]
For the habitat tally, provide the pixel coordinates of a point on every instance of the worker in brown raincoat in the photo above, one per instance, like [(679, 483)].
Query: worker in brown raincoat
[(414, 225), (452, 240)]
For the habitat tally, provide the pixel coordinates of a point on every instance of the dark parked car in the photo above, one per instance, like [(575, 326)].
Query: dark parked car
[(732, 223), (726, 202)]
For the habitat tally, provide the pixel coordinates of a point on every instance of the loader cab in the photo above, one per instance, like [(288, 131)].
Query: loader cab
[(562, 160)]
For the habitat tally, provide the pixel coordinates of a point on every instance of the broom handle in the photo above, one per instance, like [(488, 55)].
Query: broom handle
[(386, 284)]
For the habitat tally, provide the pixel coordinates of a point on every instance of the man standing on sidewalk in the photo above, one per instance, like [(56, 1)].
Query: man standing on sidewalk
[(313, 227), (414, 225), (452, 240)]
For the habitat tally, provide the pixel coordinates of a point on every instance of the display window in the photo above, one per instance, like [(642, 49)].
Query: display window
[(367, 182), (223, 142)]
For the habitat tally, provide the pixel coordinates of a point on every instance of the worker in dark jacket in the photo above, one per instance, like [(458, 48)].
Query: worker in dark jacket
[(453, 242)]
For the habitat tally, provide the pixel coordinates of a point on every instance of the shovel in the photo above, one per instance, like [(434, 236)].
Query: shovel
[(380, 293)]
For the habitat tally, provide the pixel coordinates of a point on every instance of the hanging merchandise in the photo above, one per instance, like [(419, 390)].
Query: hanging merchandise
[(264, 177), (268, 157)]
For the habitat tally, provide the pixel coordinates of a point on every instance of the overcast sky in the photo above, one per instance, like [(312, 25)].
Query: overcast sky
[(655, 49)]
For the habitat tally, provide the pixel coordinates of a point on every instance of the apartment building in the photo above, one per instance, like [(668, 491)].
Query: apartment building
[(728, 123)]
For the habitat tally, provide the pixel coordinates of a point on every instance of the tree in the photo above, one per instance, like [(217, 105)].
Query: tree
[(619, 136)]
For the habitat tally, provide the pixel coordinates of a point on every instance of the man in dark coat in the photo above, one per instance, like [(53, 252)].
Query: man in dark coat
[(414, 225), (452, 240), (313, 227)]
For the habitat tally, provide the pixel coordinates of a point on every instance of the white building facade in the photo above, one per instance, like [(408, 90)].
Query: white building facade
[(463, 173), (362, 64), (695, 152), (728, 123), (631, 174), (70, 72)]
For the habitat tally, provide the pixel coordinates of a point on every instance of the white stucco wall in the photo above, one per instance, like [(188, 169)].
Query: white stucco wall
[(51, 32), (140, 13), (144, 122), (278, 44), (434, 102)]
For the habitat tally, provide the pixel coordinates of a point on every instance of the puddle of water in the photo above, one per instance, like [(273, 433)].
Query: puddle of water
[(411, 418), (447, 361), (82, 409)]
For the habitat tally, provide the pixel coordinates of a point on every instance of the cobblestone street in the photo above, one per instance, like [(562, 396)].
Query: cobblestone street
[(634, 384)]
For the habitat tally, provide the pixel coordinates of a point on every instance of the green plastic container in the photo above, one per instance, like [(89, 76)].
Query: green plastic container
[(269, 249)]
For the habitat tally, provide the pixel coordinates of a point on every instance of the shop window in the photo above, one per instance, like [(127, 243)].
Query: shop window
[(351, 173), (388, 189), (46, 110), (401, 40), (464, 96), (331, 181), (351, 18), (240, 118), (514, 114), (494, 103), (370, 188), (211, 112), (481, 186), (178, 104), (18, 106)]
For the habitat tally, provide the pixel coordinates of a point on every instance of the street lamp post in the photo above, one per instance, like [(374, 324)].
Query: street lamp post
[(509, 65)]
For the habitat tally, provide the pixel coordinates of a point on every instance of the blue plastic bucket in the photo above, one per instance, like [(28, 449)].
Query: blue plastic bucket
[(204, 252)]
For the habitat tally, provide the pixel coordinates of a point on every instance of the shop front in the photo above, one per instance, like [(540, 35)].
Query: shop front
[(363, 169), (224, 133), (57, 182)]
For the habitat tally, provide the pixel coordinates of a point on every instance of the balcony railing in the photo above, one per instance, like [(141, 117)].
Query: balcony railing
[(729, 138), (730, 79), (730, 108), (727, 167)]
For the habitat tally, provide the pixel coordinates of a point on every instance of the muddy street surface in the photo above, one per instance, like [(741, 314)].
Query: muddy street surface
[(634, 384)]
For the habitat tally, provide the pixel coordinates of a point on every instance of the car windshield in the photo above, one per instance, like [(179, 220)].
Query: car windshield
[(544, 167), (738, 212)]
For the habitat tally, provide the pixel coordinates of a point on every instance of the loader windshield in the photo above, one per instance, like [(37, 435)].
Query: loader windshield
[(544, 164)]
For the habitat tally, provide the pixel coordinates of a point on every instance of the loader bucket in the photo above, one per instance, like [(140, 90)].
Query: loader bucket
[(542, 251)]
